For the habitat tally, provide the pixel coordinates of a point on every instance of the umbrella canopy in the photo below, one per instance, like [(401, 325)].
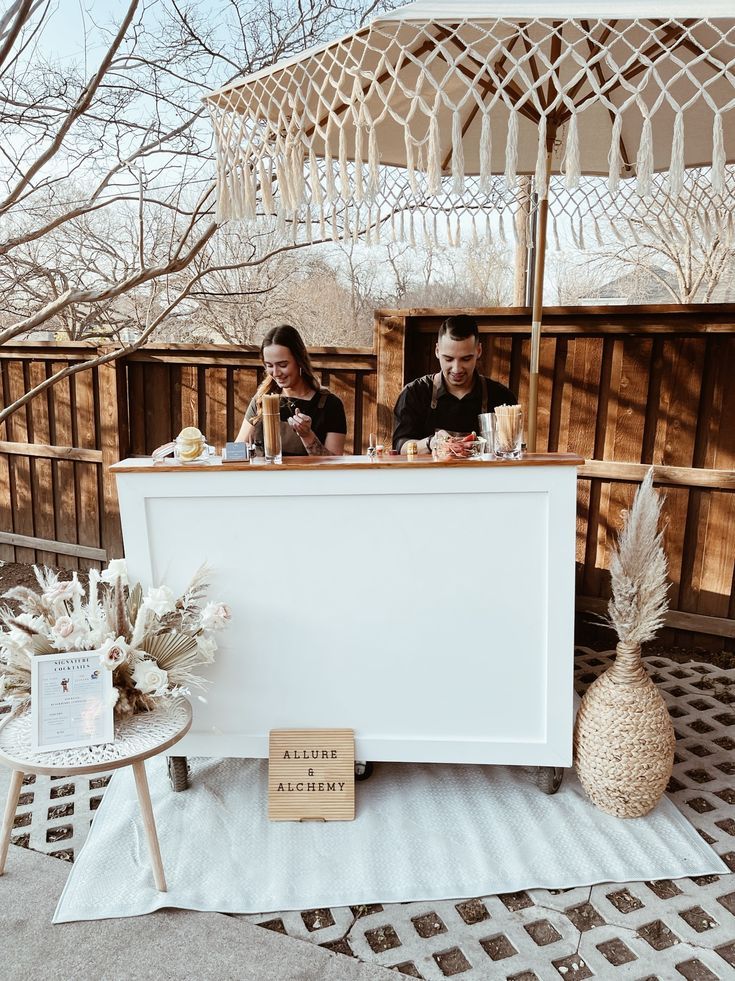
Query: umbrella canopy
[(451, 89), (457, 88)]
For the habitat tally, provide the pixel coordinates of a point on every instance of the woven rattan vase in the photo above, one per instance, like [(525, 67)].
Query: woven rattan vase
[(624, 739)]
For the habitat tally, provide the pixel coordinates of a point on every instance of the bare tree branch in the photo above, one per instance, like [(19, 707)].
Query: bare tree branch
[(71, 296), (12, 23), (78, 109)]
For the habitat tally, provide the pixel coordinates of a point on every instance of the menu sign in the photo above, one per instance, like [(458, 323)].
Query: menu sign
[(311, 775), (71, 701)]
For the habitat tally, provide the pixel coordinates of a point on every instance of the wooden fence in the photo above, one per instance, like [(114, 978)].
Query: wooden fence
[(57, 502), (623, 387)]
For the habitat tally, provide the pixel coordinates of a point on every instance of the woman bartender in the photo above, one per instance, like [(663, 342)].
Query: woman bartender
[(313, 420)]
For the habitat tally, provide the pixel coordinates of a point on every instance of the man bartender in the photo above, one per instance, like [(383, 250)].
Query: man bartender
[(453, 398)]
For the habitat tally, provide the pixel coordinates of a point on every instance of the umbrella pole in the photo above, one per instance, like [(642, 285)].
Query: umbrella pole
[(538, 298)]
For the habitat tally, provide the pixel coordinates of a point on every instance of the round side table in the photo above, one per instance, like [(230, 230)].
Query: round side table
[(136, 739)]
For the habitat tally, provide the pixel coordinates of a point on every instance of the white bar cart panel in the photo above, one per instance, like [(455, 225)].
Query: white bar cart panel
[(429, 607)]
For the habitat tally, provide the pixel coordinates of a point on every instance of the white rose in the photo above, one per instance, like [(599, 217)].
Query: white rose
[(215, 616), (207, 647), (148, 677), (63, 591), (113, 653), (159, 600), (66, 633), (64, 627), (117, 569)]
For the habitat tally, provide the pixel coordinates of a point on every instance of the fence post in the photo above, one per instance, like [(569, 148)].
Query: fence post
[(111, 444), (390, 330)]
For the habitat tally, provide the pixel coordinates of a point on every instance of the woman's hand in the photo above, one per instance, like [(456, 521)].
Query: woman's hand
[(301, 425)]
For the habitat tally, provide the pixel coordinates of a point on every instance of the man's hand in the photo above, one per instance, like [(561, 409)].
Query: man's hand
[(460, 446)]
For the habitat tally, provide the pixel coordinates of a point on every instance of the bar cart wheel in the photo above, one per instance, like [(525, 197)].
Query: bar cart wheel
[(178, 772), (363, 770), (549, 779)]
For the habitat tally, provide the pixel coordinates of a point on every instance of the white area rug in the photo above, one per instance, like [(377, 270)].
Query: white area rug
[(422, 832)]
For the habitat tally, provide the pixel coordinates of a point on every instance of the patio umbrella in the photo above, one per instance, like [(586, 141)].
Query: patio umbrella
[(448, 90)]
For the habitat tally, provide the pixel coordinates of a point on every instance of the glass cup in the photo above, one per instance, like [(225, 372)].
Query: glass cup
[(486, 424), (445, 446), (272, 447), (508, 432), (192, 449)]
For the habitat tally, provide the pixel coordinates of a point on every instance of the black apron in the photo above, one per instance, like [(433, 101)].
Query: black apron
[(435, 390)]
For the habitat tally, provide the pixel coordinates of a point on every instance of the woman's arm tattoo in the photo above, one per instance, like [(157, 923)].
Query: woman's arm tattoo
[(316, 448)]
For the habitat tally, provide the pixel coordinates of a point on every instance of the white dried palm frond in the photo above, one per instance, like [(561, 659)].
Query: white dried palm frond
[(42, 645), (178, 655), (168, 648), (638, 569)]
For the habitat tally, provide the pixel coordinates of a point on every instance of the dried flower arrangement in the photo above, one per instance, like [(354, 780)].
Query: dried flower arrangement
[(152, 643), (623, 736)]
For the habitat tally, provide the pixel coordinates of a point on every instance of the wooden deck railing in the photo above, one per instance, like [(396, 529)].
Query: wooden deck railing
[(57, 502), (623, 387)]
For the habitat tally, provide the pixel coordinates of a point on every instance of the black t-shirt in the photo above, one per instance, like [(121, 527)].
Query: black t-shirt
[(415, 419), (325, 409)]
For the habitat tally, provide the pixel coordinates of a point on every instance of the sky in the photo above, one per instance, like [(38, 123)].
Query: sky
[(64, 33), (70, 36)]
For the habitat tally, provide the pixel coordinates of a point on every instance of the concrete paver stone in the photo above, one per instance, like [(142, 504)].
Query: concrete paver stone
[(631, 931)]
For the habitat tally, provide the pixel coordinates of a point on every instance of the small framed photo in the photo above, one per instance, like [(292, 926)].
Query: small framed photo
[(71, 701)]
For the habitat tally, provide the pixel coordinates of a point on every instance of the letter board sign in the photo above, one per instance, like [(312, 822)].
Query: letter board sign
[(311, 775)]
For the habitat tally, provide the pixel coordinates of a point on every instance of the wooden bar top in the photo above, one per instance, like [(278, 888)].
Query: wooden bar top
[(216, 464)]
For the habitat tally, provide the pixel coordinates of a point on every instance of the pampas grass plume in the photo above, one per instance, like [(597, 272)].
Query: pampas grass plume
[(638, 570)]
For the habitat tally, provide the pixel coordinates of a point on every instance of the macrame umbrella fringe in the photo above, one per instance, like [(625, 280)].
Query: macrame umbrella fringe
[(511, 150), (540, 176), (718, 155), (555, 234), (457, 155), (434, 163), (644, 164), (572, 167), (293, 138), (676, 168), (615, 158), (486, 153)]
